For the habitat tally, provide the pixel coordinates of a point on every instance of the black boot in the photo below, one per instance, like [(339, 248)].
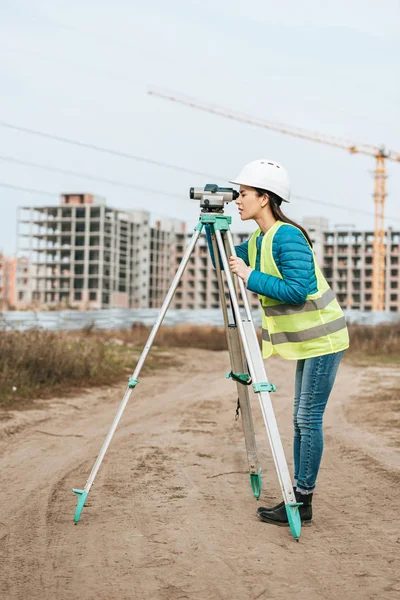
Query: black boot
[(262, 509), (278, 515)]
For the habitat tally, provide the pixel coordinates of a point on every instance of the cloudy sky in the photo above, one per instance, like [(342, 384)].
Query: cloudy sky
[(81, 69)]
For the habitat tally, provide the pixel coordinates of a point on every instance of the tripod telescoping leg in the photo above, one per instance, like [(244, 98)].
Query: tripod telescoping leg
[(260, 382), (239, 366), (133, 381)]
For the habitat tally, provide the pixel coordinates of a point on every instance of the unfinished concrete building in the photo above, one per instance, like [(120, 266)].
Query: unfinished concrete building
[(348, 258), (345, 255), (85, 254), (199, 286), (163, 264), (15, 275)]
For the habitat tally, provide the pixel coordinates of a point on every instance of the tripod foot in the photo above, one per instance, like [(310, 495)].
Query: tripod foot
[(256, 483), (82, 495), (293, 515)]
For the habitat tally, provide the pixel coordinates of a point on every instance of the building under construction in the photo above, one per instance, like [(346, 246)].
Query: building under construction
[(198, 288), (15, 278), (346, 258), (348, 268), (84, 254), (344, 255)]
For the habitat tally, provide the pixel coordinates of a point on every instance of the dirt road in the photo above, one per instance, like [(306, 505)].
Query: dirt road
[(171, 515)]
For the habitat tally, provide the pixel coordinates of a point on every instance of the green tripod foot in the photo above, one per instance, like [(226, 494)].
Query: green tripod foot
[(82, 495), (256, 483), (293, 515)]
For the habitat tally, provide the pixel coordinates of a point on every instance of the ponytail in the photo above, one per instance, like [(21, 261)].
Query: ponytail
[(275, 204)]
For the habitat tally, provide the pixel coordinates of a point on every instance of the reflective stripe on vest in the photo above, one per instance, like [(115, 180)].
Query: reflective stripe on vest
[(298, 331), (292, 309), (306, 335)]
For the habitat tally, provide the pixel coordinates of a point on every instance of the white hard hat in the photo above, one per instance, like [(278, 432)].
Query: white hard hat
[(267, 175)]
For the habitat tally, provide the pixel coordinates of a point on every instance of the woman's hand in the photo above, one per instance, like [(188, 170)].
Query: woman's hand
[(239, 267)]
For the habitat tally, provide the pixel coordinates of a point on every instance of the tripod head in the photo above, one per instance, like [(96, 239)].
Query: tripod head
[(212, 198)]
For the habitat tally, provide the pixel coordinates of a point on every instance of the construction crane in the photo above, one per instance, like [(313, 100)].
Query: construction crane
[(379, 153)]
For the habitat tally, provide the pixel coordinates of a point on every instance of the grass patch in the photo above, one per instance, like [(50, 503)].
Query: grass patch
[(367, 344), (374, 345), (41, 364), (204, 337)]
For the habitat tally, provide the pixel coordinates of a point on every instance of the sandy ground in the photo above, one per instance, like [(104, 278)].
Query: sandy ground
[(171, 515)]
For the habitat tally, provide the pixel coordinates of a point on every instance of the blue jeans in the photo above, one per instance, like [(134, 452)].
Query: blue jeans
[(314, 381)]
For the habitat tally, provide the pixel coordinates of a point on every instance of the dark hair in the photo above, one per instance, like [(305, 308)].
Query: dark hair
[(275, 203)]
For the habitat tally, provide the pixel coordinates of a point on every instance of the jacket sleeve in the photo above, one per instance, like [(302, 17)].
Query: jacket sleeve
[(241, 250), (296, 267)]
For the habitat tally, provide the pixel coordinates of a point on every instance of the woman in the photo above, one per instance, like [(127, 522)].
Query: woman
[(301, 318)]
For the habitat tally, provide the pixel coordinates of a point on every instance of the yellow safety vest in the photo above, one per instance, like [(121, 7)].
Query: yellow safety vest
[(296, 331)]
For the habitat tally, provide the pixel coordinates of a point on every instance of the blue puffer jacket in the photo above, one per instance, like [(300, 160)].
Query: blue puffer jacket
[(292, 256)]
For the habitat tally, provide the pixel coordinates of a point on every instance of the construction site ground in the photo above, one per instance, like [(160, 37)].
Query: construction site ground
[(171, 514)]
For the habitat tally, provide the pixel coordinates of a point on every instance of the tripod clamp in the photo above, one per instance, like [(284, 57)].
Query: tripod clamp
[(245, 379), (220, 221), (264, 386)]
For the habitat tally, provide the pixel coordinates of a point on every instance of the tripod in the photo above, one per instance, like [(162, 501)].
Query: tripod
[(247, 367)]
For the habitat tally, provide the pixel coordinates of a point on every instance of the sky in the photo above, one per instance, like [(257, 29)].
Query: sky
[(81, 70)]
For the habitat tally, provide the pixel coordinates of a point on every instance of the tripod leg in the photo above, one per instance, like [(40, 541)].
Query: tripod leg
[(238, 365), (133, 381), (260, 385), (231, 248)]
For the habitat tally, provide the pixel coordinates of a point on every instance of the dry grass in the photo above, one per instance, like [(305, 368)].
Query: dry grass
[(375, 344), (381, 342), (181, 336), (40, 364)]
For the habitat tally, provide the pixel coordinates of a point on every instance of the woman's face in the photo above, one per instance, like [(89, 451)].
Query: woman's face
[(249, 203)]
